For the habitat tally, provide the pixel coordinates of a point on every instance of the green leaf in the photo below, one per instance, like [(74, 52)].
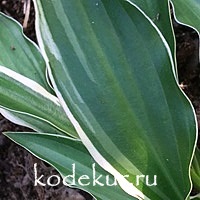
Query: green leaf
[(62, 153), (113, 73), (187, 12), (195, 170), (20, 94), (20, 54), (196, 197), (159, 12), (17, 51), (30, 121)]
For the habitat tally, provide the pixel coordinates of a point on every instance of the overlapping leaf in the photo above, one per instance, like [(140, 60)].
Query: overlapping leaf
[(62, 153), (22, 95), (31, 121), (187, 12), (20, 54), (196, 197), (195, 171), (112, 71), (21, 104), (158, 11)]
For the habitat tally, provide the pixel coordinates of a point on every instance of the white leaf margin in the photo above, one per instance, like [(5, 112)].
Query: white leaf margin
[(34, 86), (29, 40), (184, 24), (125, 185), (128, 187), (29, 83)]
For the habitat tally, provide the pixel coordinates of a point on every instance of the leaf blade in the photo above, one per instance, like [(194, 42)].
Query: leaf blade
[(31, 99), (101, 78), (62, 152), (18, 51), (187, 12)]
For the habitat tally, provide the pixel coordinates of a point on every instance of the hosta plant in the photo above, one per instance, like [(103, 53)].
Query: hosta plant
[(101, 93)]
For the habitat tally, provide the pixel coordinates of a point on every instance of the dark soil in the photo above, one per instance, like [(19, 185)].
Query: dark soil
[(188, 65), (16, 164), (17, 174)]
